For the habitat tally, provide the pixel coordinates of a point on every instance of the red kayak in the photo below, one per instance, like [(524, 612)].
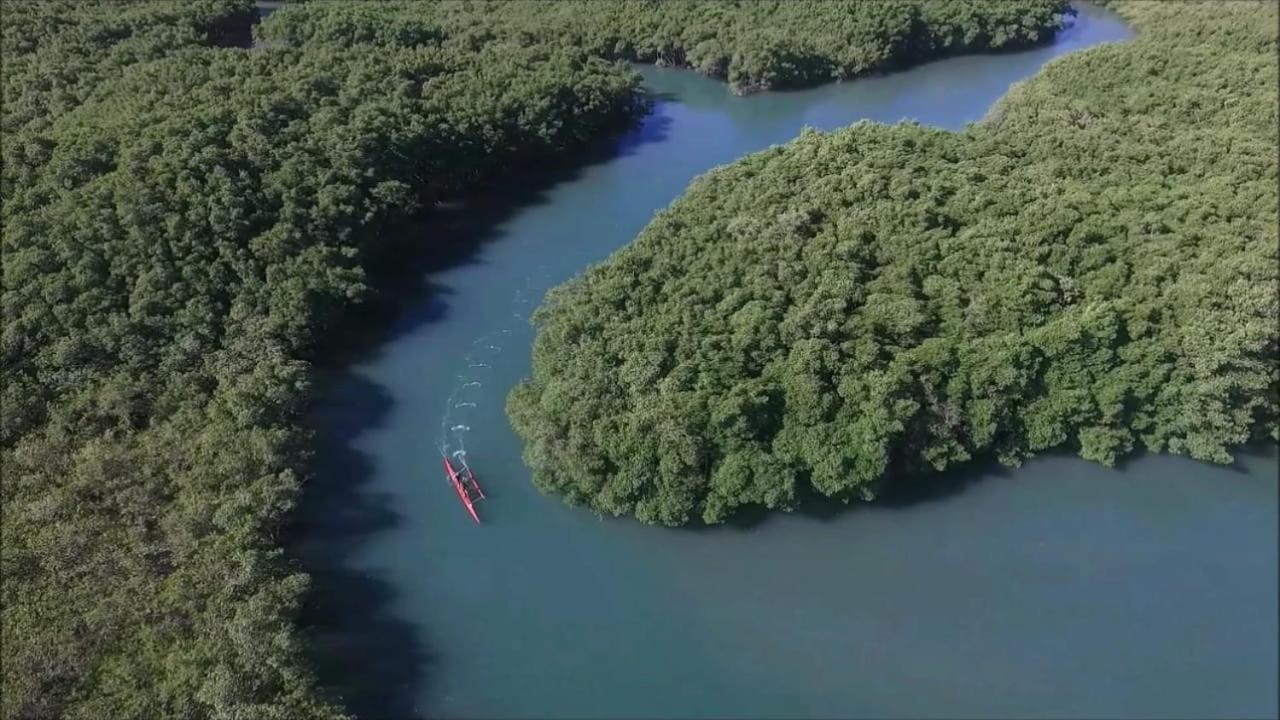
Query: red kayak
[(464, 483)]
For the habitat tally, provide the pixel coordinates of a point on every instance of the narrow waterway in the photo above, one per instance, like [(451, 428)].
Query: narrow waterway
[(1060, 589)]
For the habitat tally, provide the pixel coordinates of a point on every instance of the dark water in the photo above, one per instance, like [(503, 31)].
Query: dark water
[(1060, 589), (266, 7)]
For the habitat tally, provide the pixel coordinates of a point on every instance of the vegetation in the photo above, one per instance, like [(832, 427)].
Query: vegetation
[(1094, 267), (183, 219), (755, 45)]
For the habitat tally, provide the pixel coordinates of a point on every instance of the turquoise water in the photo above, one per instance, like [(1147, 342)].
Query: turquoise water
[(1060, 589)]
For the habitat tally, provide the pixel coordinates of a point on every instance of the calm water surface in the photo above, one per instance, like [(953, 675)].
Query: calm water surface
[(1060, 589)]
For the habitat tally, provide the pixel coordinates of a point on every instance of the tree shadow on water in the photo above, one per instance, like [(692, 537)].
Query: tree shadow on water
[(370, 660), (1242, 457), (902, 489), (453, 233), (905, 490)]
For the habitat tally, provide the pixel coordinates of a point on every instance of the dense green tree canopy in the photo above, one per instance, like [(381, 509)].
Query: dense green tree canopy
[(1094, 267), (180, 222), (754, 44), (183, 218)]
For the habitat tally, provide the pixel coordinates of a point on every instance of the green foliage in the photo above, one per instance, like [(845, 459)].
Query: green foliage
[(182, 219), (754, 45), (1094, 267)]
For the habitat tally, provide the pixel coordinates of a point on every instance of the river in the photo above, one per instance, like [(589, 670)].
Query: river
[(1060, 589)]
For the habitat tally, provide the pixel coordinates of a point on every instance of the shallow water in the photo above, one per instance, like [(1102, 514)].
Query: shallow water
[(1060, 589)]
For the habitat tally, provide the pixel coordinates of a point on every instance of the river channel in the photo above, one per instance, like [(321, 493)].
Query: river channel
[(1060, 589)]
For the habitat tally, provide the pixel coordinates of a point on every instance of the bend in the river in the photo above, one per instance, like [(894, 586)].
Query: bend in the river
[(1062, 585)]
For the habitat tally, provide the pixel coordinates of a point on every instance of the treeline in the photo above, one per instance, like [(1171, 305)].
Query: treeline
[(753, 45), (1093, 268), (183, 219)]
